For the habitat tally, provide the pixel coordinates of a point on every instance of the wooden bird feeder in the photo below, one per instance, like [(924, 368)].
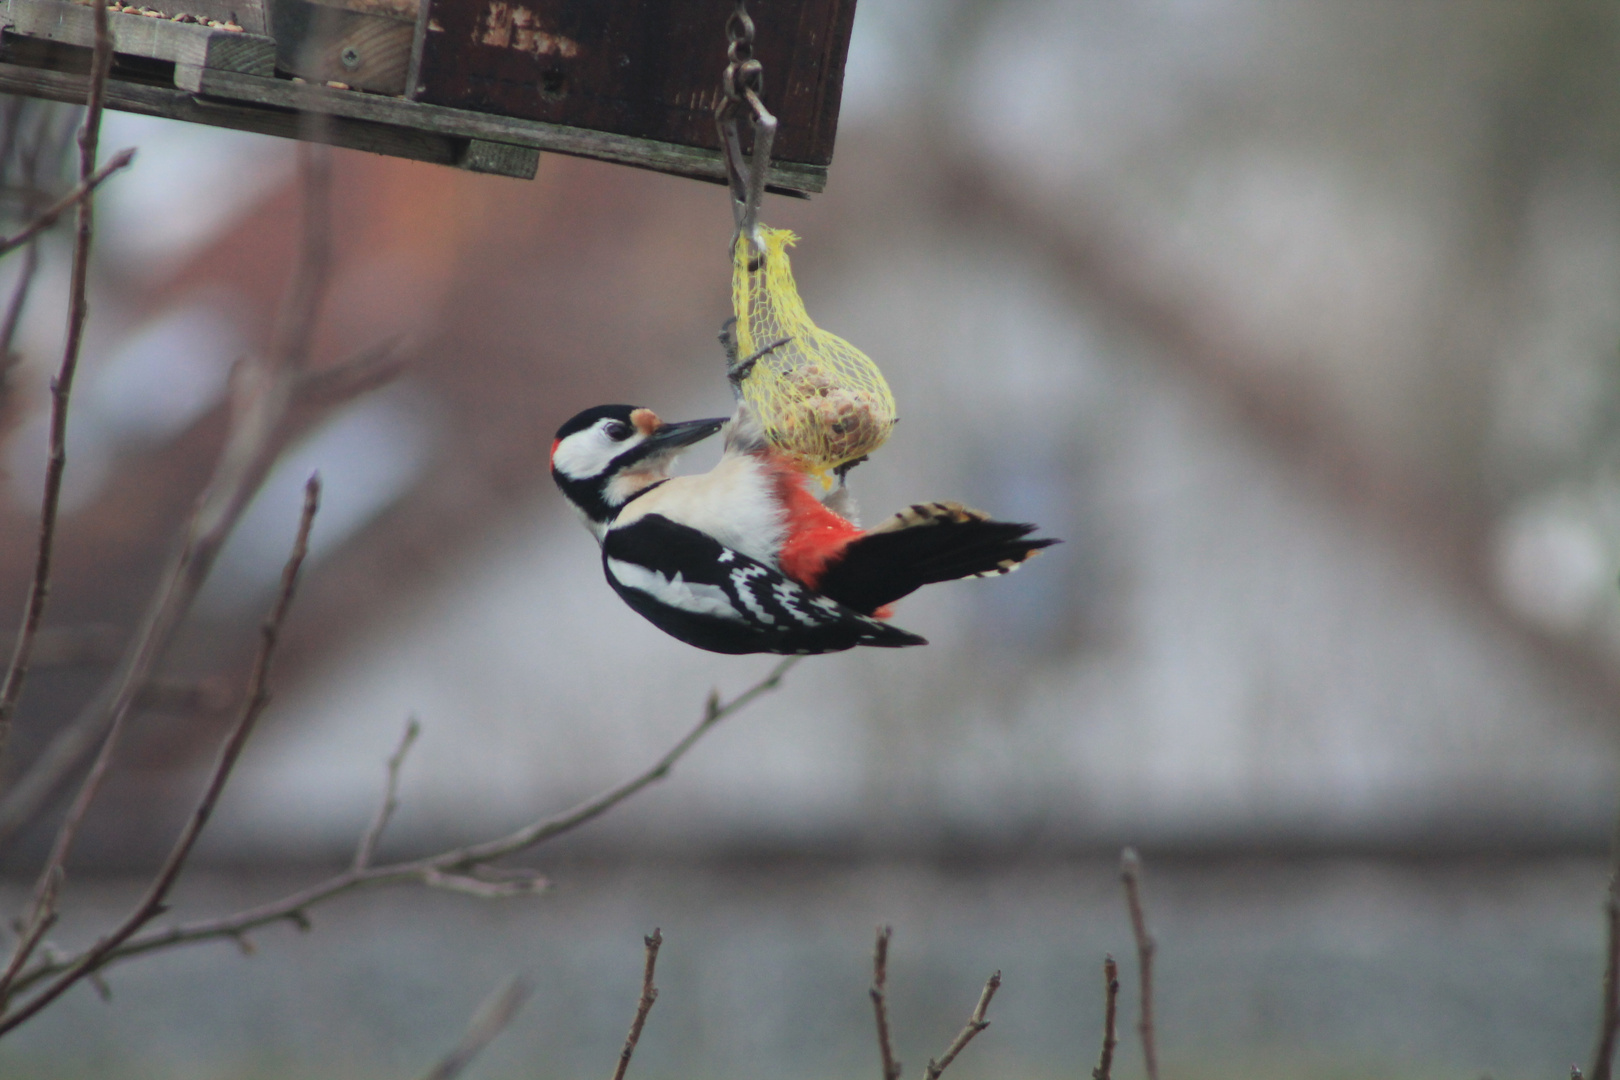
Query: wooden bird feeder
[(484, 85)]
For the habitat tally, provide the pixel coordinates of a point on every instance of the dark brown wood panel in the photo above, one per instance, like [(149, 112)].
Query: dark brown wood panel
[(644, 68)]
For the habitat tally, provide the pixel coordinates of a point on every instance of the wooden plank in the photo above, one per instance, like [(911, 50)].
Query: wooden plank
[(644, 68), (324, 43), (250, 15), (501, 159), (175, 104), (140, 35), (384, 125), (785, 177), (404, 10)]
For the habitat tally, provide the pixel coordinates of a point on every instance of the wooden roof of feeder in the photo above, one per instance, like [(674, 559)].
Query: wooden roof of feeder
[(483, 85)]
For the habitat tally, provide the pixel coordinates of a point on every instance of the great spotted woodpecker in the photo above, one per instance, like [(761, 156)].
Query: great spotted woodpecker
[(744, 558)]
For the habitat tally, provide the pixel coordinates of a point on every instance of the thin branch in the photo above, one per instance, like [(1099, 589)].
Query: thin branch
[(1609, 1022), (489, 1021), (390, 802), (1130, 872), (1105, 1064), (14, 309), (61, 392), (442, 869), (264, 394), (489, 882), (10, 128), (48, 216), (530, 835), (295, 321), (251, 448), (340, 384), (880, 1007), (649, 994), (976, 1023), (41, 919), (152, 903)]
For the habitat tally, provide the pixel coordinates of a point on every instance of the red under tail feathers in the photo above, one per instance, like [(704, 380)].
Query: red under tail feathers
[(815, 534)]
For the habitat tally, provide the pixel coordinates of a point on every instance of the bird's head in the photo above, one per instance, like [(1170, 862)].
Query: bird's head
[(606, 456)]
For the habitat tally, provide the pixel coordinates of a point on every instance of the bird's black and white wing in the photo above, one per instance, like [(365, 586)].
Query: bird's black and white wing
[(693, 587)]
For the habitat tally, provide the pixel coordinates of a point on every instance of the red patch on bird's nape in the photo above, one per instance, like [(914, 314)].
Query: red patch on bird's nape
[(815, 534), (554, 444)]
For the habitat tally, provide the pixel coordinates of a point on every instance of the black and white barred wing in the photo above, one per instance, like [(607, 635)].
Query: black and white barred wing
[(693, 587)]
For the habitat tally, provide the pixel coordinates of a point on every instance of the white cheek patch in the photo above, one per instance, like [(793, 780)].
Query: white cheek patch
[(587, 453), (580, 455), (676, 592)]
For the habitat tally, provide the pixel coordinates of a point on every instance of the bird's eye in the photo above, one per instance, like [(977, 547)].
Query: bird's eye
[(617, 431)]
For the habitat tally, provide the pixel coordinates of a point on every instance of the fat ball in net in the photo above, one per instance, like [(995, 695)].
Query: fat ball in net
[(821, 400)]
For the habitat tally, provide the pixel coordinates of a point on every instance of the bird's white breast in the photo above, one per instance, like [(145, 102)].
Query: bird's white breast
[(735, 502)]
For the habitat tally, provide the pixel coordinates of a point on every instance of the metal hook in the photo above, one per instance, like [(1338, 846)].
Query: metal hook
[(742, 84)]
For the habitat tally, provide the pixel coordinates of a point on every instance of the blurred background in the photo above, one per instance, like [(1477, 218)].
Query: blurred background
[(1298, 322)]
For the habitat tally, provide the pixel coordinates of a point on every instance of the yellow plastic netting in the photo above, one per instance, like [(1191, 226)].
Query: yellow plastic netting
[(820, 398)]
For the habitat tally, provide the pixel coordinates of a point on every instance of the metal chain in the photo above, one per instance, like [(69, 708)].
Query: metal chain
[(742, 90), (743, 73)]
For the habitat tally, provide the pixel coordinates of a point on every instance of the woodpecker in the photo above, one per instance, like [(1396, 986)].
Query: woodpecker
[(745, 558)]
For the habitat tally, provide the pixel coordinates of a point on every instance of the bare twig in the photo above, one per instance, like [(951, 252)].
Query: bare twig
[(1609, 1023), (649, 994), (13, 317), (61, 392), (1105, 1064), (340, 384), (489, 882), (455, 865), (1130, 872), (880, 1007), (264, 395), (35, 161), (489, 1021), (48, 216), (295, 321), (11, 115), (41, 919), (152, 903), (390, 802), (976, 1023)]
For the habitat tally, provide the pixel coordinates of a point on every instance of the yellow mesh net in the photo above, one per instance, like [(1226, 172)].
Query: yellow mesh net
[(820, 399)]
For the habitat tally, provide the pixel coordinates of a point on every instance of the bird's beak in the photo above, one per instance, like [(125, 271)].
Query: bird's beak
[(668, 438)]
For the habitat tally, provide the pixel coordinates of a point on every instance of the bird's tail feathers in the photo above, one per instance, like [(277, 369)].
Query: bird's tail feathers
[(922, 544), (883, 636)]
